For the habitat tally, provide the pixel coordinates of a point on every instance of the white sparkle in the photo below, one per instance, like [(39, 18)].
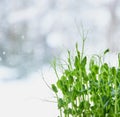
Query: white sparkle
[(4, 52)]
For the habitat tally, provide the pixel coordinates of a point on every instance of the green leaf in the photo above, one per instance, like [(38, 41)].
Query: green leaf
[(59, 84), (106, 51), (113, 70), (91, 63), (118, 74), (68, 111), (76, 63), (86, 104), (54, 88), (67, 72), (83, 62), (60, 103), (94, 69), (81, 106), (105, 68), (70, 80)]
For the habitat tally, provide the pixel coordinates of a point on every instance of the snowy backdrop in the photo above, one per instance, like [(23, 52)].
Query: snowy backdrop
[(34, 32)]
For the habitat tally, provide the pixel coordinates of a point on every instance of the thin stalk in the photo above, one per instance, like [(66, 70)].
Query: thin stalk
[(56, 73), (65, 115), (69, 61), (83, 46), (72, 103), (55, 70), (65, 108), (75, 108), (118, 59), (88, 98), (115, 96), (78, 100), (60, 108)]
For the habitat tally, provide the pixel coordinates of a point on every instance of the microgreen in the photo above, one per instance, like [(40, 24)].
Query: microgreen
[(88, 88)]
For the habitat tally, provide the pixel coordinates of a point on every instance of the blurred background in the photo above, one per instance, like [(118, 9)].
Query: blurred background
[(34, 32)]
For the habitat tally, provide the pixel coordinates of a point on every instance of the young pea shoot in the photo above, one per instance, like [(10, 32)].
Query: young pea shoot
[(93, 92)]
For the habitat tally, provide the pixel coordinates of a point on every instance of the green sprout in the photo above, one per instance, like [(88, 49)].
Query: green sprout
[(88, 88)]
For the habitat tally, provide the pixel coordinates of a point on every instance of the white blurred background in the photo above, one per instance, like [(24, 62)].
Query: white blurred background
[(33, 32)]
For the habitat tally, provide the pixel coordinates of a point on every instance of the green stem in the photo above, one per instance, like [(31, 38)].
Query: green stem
[(60, 108), (83, 45), (118, 59), (56, 73), (73, 115), (115, 97)]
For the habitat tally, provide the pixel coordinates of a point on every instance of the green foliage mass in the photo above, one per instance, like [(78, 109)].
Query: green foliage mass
[(89, 88)]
